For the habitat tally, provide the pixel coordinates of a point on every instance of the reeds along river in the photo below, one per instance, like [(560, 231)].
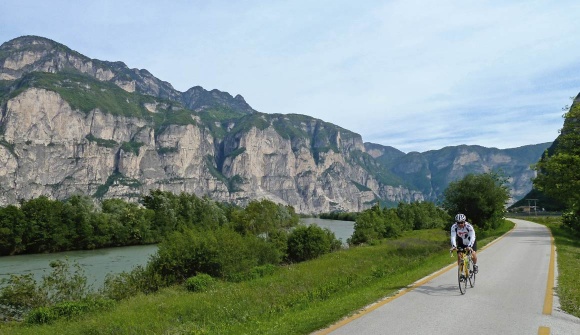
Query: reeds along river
[(96, 264)]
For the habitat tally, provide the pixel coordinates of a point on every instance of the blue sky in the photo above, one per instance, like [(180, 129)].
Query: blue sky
[(415, 75)]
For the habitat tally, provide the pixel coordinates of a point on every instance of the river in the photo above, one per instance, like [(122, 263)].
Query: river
[(96, 264)]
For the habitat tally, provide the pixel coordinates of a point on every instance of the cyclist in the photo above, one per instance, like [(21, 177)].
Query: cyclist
[(463, 235)]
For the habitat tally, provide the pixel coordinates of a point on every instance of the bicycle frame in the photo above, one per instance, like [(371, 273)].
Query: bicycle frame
[(465, 259), (464, 269)]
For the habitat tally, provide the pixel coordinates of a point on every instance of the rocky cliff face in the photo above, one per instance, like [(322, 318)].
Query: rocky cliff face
[(51, 149), (74, 125), (432, 171)]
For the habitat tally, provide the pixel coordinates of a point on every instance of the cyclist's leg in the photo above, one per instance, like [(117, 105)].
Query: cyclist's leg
[(474, 258), (460, 244)]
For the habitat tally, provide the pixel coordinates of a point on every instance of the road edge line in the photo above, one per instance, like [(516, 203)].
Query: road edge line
[(549, 298), (543, 330)]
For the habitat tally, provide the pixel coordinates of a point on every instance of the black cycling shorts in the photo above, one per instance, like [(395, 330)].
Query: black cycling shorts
[(461, 245)]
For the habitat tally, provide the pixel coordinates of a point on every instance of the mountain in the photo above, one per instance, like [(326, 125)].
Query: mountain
[(432, 171), (74, 125)]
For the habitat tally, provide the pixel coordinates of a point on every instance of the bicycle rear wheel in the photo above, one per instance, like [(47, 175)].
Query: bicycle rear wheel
[(461, 278)]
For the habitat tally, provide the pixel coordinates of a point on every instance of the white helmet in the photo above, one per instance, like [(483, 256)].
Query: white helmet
[(460, 218)]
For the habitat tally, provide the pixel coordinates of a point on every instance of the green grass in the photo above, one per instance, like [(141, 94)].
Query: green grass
[(295, 299), (568, 251)]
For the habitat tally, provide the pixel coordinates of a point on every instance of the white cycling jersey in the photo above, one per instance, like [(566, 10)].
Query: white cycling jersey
[(467, 234)]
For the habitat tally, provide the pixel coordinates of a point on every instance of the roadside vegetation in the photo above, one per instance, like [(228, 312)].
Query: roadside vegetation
[(558, 181), (568, 248), (228, 270), (558, 175), (296, 298)]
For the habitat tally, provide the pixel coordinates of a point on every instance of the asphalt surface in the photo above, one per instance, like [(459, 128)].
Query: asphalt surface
[(509, 297)]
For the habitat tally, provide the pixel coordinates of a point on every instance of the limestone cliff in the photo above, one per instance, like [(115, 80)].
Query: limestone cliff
[(74, 125), (51, 149)]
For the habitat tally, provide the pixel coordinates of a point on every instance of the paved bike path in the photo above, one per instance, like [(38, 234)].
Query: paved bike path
[(508, 298)]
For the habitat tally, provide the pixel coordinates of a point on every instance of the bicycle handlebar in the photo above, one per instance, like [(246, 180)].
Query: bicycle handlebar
[(460, 250)]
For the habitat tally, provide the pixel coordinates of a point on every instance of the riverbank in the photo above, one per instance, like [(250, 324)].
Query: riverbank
[(295, 299), (97, 264)]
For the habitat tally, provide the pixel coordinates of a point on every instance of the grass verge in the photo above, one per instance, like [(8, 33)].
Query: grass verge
[(296, 299), (568, 249)]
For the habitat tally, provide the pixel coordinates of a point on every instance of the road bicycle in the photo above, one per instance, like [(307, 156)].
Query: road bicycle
[(465, 271)]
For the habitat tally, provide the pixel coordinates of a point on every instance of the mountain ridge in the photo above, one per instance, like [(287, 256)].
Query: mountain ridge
[(124, 132)]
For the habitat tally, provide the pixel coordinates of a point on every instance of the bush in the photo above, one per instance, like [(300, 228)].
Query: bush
[(571, 220), (67, 309), (20, 294), (221, 253), (200, 283), (63, 284), (128, 284), (309, 242), (375, 224)]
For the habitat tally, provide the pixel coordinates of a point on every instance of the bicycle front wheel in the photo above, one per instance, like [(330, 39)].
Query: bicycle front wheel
[(461, 278), (471, 275)]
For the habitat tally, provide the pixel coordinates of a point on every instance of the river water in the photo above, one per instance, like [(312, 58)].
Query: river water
[(96, 264)]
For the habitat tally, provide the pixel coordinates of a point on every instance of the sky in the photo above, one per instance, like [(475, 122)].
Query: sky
[(414, 75)]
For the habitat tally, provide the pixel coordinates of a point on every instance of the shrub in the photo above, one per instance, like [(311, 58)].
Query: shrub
[(128, 284), (67, 309), (41, 315), (221, 253), (375, 224), (21, 294), (571, 220), (199, 283), (309, 242), (63, 284)]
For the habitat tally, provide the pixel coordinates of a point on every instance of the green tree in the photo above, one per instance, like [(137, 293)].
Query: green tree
[(421, 215), (130, 224), (558, 169), (77, 214), (264, 217), (176, 212), (44, 229), (208, 213), (12, 225), (165, 205), (481, 197), (368, 227), (392, 223)]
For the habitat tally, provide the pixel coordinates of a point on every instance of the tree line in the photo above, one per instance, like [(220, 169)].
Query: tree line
[(558, 169), (199, 240), (41, 225)]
